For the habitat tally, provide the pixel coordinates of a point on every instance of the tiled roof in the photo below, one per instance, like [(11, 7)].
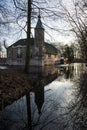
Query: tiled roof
[(22, 42), (50, 49)]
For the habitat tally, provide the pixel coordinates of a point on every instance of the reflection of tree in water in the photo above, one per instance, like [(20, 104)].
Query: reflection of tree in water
[(43, 116), (77, 110), (45, 112), (68, 71)]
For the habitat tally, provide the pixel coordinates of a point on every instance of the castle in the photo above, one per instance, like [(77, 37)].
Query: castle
[(41, 53)]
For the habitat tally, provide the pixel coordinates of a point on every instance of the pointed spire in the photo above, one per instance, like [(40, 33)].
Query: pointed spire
[(39, 14), (39, 23)]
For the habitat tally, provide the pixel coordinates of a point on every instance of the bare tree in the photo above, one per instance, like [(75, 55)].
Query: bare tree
[(77, 109), (28, 37), (3, 12), (0, 50), (26, 11), (77, 18)]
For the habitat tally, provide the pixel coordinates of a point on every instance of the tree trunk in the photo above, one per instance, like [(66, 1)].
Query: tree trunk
[(27, 58), (28, 102)]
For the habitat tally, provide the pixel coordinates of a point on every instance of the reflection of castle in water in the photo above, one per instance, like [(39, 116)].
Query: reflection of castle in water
[(49, 73), (39, 98), (68, 72), (39, 109), (39, 93), (38, 88)]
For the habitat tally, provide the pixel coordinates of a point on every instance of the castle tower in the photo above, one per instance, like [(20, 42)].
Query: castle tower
[(39, 37)]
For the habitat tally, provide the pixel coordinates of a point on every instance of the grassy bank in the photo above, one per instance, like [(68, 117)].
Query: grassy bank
[(13, 84)]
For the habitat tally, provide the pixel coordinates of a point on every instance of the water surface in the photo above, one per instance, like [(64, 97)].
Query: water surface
[(56, 102)]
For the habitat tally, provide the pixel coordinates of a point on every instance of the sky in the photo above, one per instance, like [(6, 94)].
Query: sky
[(58, 25), (58, 34)]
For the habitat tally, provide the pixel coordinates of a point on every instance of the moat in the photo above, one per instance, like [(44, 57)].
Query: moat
[(56, 101)]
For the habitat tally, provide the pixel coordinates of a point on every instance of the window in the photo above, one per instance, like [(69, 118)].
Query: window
[(19, 52), (9, 54), (49, 55)]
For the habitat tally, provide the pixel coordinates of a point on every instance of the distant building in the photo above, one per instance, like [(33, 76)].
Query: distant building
[(41, 53)]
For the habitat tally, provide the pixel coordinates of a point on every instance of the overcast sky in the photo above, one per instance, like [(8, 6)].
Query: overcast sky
[(52, 35)]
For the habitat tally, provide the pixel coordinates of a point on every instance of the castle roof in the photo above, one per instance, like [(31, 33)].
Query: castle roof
[(22, 42), (50, 49)]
